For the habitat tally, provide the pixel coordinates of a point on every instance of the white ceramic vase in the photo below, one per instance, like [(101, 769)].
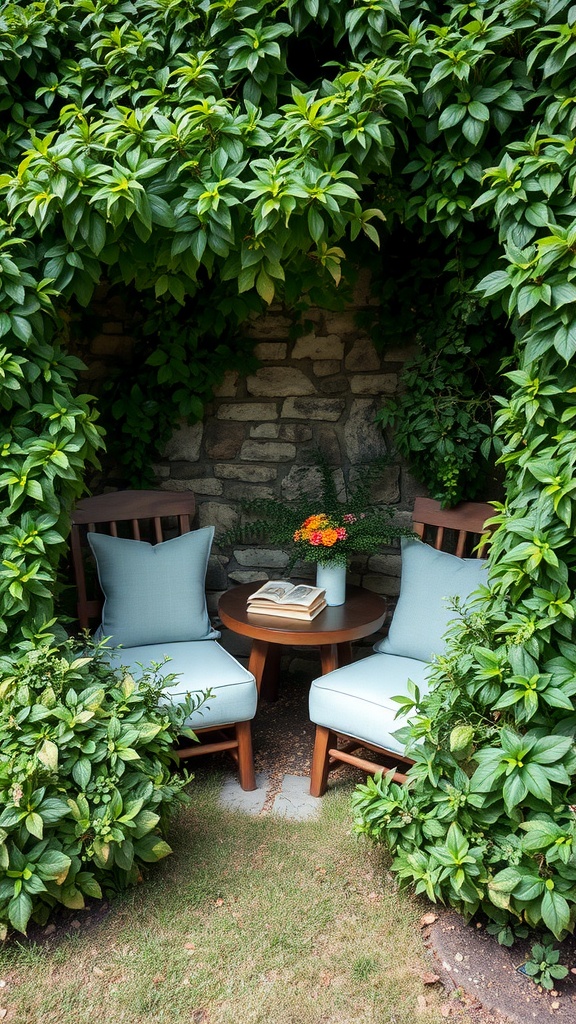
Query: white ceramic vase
[(332, 579)]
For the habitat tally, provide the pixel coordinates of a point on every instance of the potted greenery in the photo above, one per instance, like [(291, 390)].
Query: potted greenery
[(322, 528)]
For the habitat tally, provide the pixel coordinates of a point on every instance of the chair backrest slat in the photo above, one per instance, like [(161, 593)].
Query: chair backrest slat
[(461, 543), (184, 524), (150, 514)]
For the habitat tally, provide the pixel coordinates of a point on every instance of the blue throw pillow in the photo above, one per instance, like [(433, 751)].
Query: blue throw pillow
[(429, 580), (154, 593)]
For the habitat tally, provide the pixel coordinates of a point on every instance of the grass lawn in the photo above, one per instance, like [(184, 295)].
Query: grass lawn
[(253, 919)]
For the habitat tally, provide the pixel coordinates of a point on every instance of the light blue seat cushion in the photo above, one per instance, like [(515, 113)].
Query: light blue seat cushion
[(154, 593), (357, 700), (200, 665), (429, 580)]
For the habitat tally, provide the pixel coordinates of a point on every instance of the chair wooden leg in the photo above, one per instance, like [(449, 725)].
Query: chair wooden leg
[(245, 757), (321, 761)]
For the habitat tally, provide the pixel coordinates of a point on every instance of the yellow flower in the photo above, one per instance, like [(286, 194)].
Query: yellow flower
[(315, 522)]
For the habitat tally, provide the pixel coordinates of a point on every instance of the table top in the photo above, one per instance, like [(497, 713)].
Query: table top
[(362, 614)]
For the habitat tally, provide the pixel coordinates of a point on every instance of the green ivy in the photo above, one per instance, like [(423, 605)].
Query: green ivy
[(442, 421), (180, 354), (182, 152), (488, 823)]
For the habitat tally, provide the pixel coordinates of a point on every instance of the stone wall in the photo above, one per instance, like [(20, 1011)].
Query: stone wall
[(257, 440), (258, 437)]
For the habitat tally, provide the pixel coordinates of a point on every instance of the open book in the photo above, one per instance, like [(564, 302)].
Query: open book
[(278, 597)]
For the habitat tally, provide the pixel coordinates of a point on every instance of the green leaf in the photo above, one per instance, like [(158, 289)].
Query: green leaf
[(82, 773), (19, 911), (48, 755), (53, 809), (514, 790), (53, 865), (555, 912), (265, 286), (473, 130), (34, 824), (451, 116), (479, 111), (151, 848), (540, 834)]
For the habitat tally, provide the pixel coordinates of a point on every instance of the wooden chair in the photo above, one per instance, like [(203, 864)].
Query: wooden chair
[(154, 516), (352, 707)]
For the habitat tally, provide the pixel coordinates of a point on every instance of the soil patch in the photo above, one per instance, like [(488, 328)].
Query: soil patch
[(471, 961)]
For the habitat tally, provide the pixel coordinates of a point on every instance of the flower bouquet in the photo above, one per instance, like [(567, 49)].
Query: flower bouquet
[(321, 528), (332, 539)]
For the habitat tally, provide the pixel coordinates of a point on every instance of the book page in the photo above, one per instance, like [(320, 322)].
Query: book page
[(274, 590), (303, 595)]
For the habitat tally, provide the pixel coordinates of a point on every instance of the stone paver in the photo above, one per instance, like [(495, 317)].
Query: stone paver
[(236, 799), (293, 801)]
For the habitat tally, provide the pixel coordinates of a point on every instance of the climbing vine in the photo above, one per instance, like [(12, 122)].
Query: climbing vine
[(490, 814)]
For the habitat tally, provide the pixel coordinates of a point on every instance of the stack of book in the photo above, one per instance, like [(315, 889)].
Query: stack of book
[(281, 599)]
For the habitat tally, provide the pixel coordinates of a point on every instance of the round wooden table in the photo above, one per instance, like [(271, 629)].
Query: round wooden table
[(332, 631)]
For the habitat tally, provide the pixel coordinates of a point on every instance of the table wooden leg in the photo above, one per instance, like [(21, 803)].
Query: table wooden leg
[(335, 656), (264, 664), (328, 657), (344, 653)]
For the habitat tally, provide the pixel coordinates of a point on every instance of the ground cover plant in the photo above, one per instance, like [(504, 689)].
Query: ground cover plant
[(252, 918), (238, 148), (87, 779)]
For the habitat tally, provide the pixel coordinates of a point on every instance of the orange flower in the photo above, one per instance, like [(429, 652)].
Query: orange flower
[(329, 537)]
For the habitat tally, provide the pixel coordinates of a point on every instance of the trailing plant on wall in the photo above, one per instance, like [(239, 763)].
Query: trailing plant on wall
[(442, 418), (48, 434), (180, 354)]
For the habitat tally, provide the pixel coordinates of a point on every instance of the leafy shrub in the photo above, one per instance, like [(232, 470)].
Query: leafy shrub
[(86, 778), (543, 966), (487, 822)]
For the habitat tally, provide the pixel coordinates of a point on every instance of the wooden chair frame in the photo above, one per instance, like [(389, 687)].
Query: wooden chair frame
[(150, 515), (462, 531)]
